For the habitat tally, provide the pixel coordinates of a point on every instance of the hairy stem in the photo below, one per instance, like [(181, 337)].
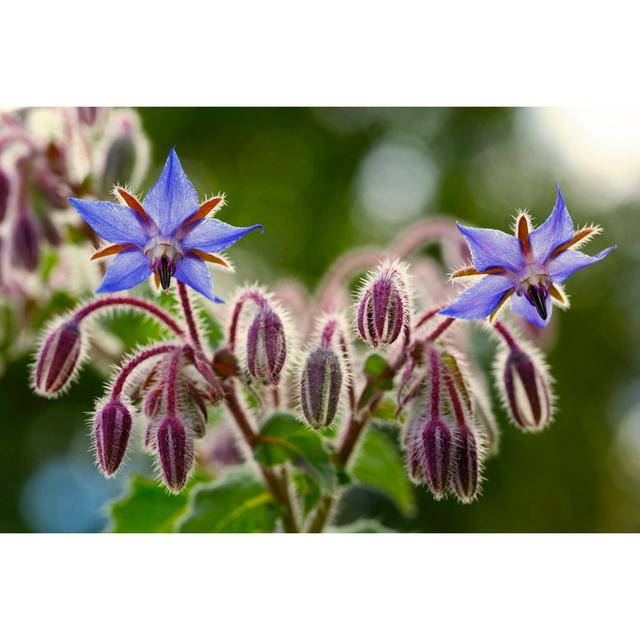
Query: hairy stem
[(355, 426), (279, 490), (135, 362), (506, 334), (130, 301), (189, 316), (440, 329)]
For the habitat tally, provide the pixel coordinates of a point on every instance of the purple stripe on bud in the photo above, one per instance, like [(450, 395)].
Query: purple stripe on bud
[(4, 194), (320, 387), (266, 347), (464, 466), (175, 450), (58, 359), (526, 390), (382, 310), (112, 427), (25, 244), (436, 441)]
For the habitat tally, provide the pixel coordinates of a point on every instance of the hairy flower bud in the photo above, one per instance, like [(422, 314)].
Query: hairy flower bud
[(465, 464), (383, 307), (175, 451), (266, 346), (25, 245), (112, 427), (153, 402), (4, 194), (320, 387), (58, 359), (120, 162), (526, 388), (436, 440)]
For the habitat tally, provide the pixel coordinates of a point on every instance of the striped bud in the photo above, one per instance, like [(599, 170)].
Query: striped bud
[(526, 389), (120, 162), (153, 402), (465, 464), (383, 307), (436, 442), (25, 244), (4, 194), (58, 359), (266, 346), (175, 451), (320, 387), (112, 428)]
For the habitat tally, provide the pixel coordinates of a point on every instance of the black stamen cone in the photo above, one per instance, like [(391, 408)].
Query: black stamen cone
[(538, 301), (164, 273)]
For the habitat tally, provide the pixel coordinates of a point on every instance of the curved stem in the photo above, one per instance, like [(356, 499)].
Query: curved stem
[(172, 384), (130, 301), (355, 426), (427, 315), (189, 317), (440, 329), (506, 334), (258, 298), (133, 363), (279, 490)]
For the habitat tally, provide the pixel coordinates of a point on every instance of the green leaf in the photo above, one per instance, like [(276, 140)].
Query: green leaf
[(284, 438), (379, 464), (379, 378), (361, 526), (148, 507), (308, 490), (237, 502)]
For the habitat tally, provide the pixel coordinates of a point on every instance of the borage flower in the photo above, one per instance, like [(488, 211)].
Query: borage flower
[(532, 264), (167, 234)]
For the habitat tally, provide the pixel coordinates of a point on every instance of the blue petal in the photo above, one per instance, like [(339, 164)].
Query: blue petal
[(212, 235), (173, 198), (128, 269), (492, 248), (554, 231), (521, 306), (110, 221), (193, 272), (569, 261), (479, 300)]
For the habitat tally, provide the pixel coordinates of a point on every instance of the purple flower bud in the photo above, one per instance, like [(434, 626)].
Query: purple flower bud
[(4, 194), (526, 389), (153, 402), (464, 464), (112, 427), (383, 308), (320, 387), (436, 441), (25, 245), (175, 450), (58, 359), (266, 347), (120, 162)]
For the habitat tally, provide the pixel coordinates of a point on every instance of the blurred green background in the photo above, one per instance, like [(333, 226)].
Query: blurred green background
[(326, 180)]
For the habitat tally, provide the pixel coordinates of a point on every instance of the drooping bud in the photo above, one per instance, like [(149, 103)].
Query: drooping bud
[(266, 346), (175, 451), (153, 402), (383, 307), (4, 194), (119, 165), (320, 387), (465, 464), (436, 440), (58, 359), (112, 427), (525, 386), (25, 245)]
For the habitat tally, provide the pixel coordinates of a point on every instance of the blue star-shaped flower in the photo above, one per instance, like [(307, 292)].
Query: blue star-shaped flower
[(532, 264), (167, 234)]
